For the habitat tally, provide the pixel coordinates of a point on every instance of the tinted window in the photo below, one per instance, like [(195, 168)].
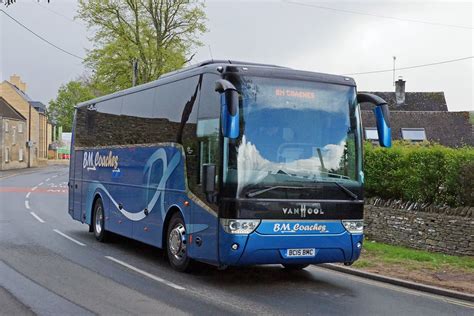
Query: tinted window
[(210, 99), (139, 104), (112, 106), (165, 113)]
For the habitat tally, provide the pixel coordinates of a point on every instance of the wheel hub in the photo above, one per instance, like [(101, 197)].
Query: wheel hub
[(98, 220), (177, 241)]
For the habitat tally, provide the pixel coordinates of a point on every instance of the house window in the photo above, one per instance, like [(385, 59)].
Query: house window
[(371, 133), (20, 155), (414, 134), (7, 154), (6, 126), (20, 127), (13, 135)]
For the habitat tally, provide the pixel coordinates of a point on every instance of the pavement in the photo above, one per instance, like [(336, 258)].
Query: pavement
[(400, 282), (50, 264), (14, 172)]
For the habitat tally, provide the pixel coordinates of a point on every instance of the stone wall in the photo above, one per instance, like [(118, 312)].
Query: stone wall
[(433, 231)]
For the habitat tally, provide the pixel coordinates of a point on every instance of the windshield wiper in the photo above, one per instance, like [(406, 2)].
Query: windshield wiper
[(260, 191), (346, 190)]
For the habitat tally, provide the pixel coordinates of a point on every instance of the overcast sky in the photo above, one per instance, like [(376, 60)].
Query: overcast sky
[(300, 36)]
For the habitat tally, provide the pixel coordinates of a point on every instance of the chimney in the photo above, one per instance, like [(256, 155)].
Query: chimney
[(15, 80), (400, 91)]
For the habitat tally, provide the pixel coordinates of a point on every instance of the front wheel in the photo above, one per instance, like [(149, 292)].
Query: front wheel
[(98, 221), (295, 266), (176, 244)]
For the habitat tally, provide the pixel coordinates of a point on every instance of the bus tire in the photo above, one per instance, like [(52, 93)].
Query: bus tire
[(98, 221), (176, 244), (295, 267)]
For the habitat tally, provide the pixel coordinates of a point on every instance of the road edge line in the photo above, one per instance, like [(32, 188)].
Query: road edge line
[(57, 231), (147, 274), (406, 284), (39, 219)]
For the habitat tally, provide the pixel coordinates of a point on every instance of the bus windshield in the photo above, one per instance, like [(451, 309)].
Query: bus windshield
[(293, 134)]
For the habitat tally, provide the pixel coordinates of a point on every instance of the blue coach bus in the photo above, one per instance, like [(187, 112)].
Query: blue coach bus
[(228, 163)]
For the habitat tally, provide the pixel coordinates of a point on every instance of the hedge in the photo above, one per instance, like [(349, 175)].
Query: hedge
[(426, 173)]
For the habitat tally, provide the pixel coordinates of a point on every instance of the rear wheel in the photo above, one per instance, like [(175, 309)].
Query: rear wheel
[(98, 221), (176, 244), (295, 266)]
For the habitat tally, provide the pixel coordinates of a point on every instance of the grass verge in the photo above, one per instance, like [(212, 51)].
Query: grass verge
[(453, 272), (416, 258)]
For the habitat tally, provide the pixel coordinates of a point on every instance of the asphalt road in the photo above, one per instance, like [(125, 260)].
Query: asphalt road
[(50, 264)]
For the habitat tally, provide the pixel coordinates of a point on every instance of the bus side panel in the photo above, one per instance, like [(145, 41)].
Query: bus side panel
[(113, 188), (160, 173), (203, 232)]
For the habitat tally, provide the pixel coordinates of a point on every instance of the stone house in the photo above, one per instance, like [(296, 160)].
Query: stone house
[(419, 116), (13, 91), (12, 137), (45, 129)]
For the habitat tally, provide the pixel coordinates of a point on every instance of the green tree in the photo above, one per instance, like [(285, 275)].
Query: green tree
[(61, 110), (10, 2), (158, 34)]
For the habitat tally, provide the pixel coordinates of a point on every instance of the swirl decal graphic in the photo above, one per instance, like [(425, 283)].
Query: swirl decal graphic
[(159, 194)]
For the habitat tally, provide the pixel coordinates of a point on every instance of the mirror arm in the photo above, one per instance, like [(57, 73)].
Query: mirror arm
[(223, 85), (370, 98), (382, 116)]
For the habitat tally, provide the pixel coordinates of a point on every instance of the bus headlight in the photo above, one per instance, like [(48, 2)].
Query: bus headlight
[(239, 226), (354, 227)]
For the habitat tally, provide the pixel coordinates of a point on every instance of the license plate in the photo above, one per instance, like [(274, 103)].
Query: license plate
[(305, 252)]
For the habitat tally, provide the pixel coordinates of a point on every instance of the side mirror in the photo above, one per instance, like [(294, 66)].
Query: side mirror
[(209, 181), (382, 117), (229, 108)]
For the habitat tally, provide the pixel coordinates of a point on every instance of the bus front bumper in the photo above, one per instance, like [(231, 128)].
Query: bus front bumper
[(261, 247)]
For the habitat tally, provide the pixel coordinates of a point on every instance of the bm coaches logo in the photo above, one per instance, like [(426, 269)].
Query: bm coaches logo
[(304, 210), (298, 228), (91, 161)]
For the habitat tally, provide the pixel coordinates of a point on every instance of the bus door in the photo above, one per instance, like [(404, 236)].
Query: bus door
[(205, 151), (75, 185)]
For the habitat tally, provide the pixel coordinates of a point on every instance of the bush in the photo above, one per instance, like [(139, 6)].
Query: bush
[(426, 173)]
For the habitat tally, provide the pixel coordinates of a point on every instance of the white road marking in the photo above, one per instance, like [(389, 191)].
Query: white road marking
[(37, 217), (27, 204), (54, 176), (149, 275), (397, 288), (47, 179), (34, 188), (68, 237), (28, 195), (41, 183)]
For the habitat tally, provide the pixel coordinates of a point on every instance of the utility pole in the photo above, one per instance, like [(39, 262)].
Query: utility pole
[(29, 136), (210, 51), (394, 59), (135, 72)]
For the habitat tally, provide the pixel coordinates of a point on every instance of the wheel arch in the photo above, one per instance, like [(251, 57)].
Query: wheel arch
[(97, 196)]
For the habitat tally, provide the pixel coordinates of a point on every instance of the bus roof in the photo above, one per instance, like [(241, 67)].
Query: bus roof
[(211, 66)]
